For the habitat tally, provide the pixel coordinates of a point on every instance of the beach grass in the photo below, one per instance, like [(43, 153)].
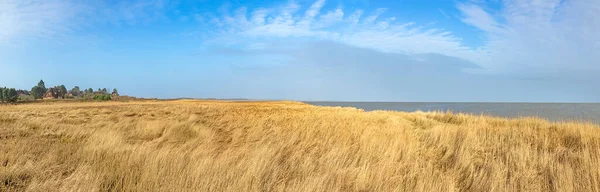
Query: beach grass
[(190, 145)]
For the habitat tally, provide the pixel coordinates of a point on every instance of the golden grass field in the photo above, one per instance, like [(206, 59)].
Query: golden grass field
[(285, 146)]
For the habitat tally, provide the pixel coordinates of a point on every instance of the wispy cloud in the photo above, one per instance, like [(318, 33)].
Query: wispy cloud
[(34, 19), (551, 39), (443, 13), (477, 17), (38, 19), (374, 30)]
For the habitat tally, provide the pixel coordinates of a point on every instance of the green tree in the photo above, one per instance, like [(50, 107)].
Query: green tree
[(104, 91), (62, 91), (42, 84), (2, 94), (13, 95), (75, 91), (89, 91), (10, 95), (37, 92), (115, 92)]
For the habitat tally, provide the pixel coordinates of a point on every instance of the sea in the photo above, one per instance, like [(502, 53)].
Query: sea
[(586, 112)]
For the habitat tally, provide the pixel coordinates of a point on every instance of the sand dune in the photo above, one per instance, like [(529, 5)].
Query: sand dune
[(286, 146)]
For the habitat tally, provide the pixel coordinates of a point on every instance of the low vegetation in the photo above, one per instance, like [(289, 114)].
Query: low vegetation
[(104, 97), (38, 92), (8, 95), (286, 146)]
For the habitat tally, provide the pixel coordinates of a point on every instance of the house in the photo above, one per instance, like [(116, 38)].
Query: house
[(72, 93), (52, 93), (22, 93)]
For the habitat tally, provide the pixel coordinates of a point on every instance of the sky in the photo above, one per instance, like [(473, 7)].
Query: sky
[(310, 50)]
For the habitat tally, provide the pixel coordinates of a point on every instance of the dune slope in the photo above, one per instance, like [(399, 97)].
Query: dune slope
[(286, 146)]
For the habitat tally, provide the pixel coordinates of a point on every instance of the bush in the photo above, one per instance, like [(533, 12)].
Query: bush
[(102, 97), (26, 98)]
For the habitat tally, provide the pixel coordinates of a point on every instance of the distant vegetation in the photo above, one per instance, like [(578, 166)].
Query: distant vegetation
[(103, 97), (40, 91), (8, 95)]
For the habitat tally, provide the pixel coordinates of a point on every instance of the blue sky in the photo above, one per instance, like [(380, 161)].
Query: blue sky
[(357, 50)]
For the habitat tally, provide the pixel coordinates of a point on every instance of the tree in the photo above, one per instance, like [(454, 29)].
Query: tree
[(89, 91), (114, 92), (2, 94), (42, 84), (104, 91), (62, 91), (75, 91), (10, 95), (13, 96), (37, 92), (99, 90)]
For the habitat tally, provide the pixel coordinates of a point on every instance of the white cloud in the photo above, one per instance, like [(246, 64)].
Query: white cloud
[(443, 13), (545, 38), (330, 18), (476, 16), (355, 17), (372, 18), (314, 9), (534, 39), (258, 16), (373, 31), (34, 19), (53, 19)]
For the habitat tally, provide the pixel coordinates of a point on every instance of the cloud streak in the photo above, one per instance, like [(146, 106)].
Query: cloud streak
[(23, 20), (540, 39), (373, 31), (526, 39), (533, 51), (34, 19)]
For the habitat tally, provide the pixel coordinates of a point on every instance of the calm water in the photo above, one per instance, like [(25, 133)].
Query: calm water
[(551, 111)]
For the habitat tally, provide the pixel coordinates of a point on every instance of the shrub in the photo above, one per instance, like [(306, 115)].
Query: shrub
[(26, 98), (102, 97)]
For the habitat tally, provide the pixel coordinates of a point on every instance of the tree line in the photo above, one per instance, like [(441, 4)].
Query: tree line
[(12, 95)]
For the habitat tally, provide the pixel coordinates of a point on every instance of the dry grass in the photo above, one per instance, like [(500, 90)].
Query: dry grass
[(286, 146)]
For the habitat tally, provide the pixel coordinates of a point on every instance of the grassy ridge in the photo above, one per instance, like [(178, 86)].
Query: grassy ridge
[(286, 146)]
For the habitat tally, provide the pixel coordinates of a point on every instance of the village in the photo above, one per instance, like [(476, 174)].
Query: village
[(40, 92)]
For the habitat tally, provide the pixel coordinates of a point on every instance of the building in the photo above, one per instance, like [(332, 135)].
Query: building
[(52, 93)]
